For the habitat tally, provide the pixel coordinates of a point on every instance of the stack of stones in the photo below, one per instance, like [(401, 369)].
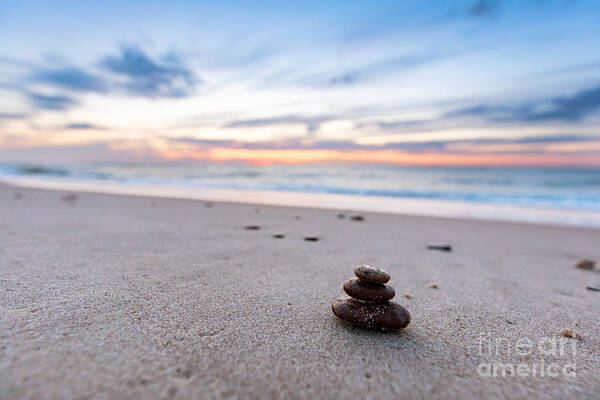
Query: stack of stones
[(369, 303)]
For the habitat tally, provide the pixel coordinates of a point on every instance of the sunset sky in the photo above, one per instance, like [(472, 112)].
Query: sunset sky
[(423, 82)]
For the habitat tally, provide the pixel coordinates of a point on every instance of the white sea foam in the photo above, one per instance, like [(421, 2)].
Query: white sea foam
[(344, 202)]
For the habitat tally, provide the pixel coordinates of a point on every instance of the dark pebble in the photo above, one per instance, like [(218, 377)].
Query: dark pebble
[(297, 218), (278, 235), (439, 246), (585, 264), (362, 290), (594, 287), (252, 227), (384, 316), (311, 238), (357, 218), (371, 274), (70, 197), (341, 216)]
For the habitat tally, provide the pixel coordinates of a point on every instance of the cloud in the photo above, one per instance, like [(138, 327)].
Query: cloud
[(312, 123), (568, 108), (345, 79), (82, 126), (425, 146), (387, 66), (557, 139), (4, 115), (131, 70), (573, 108), (284, 144), (51, 102), (71, 78), (483, 8), (144, 76), (203, 142), (91, 152)]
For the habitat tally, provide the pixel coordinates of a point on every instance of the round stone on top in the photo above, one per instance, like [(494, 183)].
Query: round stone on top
[(371, 274)]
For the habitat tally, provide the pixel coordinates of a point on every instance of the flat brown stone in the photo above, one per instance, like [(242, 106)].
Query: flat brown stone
[(371, 274), (585, 264), (362, 290), (384, 316)]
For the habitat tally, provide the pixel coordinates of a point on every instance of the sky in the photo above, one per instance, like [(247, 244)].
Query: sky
[(478, 82)]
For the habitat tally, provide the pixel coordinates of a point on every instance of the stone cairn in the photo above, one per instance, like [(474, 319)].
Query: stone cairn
[(369, 304)]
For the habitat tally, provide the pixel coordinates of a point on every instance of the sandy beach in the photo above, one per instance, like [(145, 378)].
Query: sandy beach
[(112, 296)]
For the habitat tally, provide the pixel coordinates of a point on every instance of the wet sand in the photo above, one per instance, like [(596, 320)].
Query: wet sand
[(109, 296)]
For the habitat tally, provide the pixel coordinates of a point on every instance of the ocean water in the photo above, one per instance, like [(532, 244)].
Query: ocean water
[(554, 188)]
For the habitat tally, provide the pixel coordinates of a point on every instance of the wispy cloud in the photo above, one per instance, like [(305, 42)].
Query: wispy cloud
[(71, 78), (89, 152), (82, 126), (566, 108), (51, 102), (422, 146), (382, 68), (131, 72), (312, 123), (4, 115), (149, 77), (483, 8)]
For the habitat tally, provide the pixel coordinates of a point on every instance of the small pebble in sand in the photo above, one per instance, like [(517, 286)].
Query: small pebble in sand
[(209, 204), (408, 296), (357, 218), (595, 287), (570, 333), (370, 306), (252, 227), (297, 218), (278, 235), (311, 238), (439, 246), (585, 264), (341, 216), (434, 286), (371, 274), (257, 211), (70, 197), (18, 196)]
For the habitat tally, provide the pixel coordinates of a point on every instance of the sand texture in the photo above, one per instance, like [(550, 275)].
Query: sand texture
[(107, 296)]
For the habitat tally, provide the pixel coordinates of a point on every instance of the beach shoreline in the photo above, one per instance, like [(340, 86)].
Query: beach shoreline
[(353, 203), (119, 296)]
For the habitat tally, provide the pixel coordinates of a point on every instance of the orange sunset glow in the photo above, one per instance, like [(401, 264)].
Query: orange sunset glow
[(270, 157)]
